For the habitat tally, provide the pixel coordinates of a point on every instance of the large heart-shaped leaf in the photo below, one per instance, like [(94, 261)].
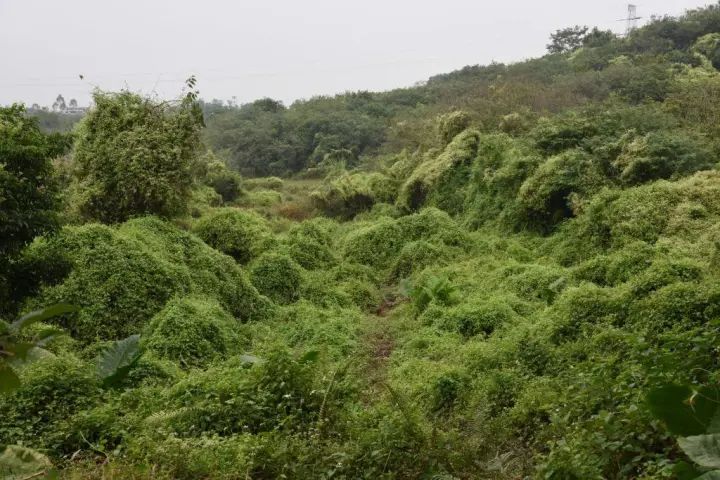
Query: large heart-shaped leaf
[(702, 449), (684, 410), (714, 475), (686, 471), (41, 315), (8, 378), (116, 361)]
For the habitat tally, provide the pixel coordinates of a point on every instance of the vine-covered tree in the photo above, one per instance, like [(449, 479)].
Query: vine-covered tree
[(28, 194), (136, 156), (567, 39)]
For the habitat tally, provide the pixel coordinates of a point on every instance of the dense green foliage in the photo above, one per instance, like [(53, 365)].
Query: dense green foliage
[(28, 189), (241, 234), (192, 331), (510, 271), (136, 156)]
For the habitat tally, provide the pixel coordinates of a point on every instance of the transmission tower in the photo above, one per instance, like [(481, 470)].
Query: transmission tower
[(631, 20)]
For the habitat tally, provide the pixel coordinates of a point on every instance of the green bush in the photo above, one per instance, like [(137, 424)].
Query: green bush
[(352, 193), (536, 282), (665, 272), (366, 295), (614, 218), (549, 194), (237, 397), (582, 307), (192, 331), (121, 277), (310, 244), (553, 135), (432, 224), (53, 389), (332, 330), (375, 245), (442, 180), (242, 234), (502, 166), (452, 124), (277, 276), (660, 155), (514, 123), (136, 156), (415, 256), (226, 183), (476, 317), (680, 304), (28, 192)]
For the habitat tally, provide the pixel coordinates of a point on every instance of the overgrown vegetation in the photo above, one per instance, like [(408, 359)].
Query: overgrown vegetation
[(510, 271)]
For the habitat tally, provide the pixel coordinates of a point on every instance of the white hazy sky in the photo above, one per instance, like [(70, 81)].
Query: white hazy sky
[(285, 49)]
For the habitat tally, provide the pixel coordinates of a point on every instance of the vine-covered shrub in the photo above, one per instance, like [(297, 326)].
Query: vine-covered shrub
[(553, 135), (136, 156), (478, 316), (225, 182), (374, 245), (661, 155), (502, 165), (352, 193), (613, 218), (277, 276), (310, 244), (237, 396), (53, 389), (551, 193), (442, 180), (192, 331), (432, 224), (266, 183), (452, 124), (120, 277), (28, 192), (415, 256), (242, 234), (536, 281)]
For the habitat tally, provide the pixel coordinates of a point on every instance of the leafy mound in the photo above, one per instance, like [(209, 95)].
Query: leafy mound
[(241, 234), (192, 331), (121, 277), (277, 276)]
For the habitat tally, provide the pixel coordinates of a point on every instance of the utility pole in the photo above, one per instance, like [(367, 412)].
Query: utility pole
[(631, 20)]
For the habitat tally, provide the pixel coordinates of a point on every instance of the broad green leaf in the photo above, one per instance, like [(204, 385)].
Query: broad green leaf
[(686, 471), (702, 449), (47, 336), (713, 475), (42, 315), (714, 425), (8, 378), (116, 361), (18, 462), (685, 411), (19, 351)]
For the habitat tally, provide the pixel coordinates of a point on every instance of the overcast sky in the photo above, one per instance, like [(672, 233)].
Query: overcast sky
[(284, 49)]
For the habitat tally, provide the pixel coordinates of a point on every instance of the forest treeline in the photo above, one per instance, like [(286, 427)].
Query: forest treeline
[(510, 271), (267, 138)]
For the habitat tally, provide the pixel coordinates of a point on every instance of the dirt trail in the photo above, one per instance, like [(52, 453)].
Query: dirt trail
[(380, 343)]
